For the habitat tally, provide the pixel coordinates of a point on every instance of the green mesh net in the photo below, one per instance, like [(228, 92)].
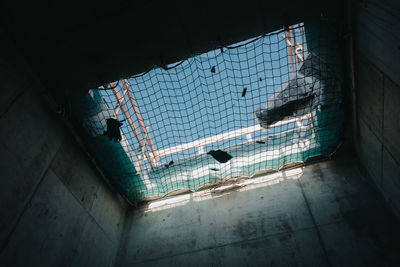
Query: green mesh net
[(233, 112)]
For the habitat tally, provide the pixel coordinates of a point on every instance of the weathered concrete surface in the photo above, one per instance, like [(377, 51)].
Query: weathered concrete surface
[(55, 208), (377, 25), (330, 216), (376, 28), (391, 118), (370, 102), (391, 181), (370, 151)]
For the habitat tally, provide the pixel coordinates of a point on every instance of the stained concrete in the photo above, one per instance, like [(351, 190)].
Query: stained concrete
[(376, 25), (376, 32), (327, 215), (55, 207)]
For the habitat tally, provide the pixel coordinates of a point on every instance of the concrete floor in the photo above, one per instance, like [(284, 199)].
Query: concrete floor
[(326, 214)]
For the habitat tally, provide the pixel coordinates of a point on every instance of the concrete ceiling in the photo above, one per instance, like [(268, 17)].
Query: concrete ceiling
[(77, 46)]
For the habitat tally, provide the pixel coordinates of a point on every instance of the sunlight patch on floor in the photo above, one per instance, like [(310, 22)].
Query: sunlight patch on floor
[(240, 185)]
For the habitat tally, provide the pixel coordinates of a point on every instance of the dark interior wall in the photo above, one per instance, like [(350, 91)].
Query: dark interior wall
[(55, 208), (79, 45), (377, 72)]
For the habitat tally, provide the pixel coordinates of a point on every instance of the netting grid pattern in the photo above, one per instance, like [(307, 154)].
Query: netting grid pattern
[(265, 103)]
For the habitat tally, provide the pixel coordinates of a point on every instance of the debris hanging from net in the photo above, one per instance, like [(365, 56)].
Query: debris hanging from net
[(233, 112)]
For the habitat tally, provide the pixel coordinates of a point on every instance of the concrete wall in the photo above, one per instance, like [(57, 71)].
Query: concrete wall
[(55, 208), (377, 49), (325, 214)]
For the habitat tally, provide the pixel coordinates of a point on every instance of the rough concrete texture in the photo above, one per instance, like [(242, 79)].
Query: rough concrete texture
[(370, 102), (328, 215), (370, 152), (376, 25), (391, 118), (377, 35), (55, 208)]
